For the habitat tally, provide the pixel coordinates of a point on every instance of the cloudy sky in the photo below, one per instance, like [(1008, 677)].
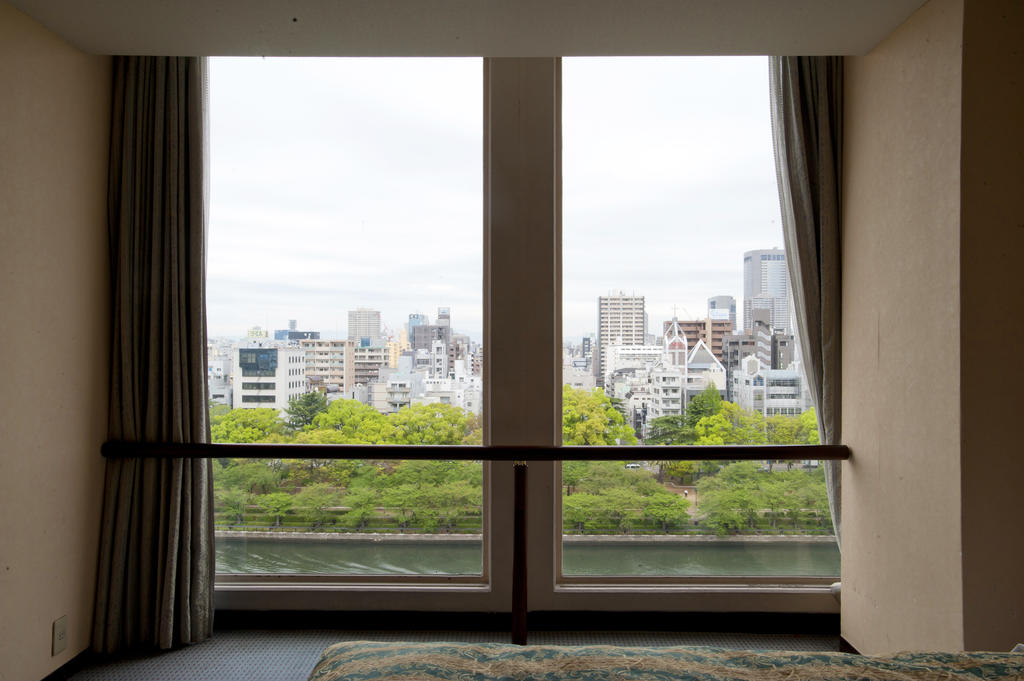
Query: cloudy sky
[(344, 183)]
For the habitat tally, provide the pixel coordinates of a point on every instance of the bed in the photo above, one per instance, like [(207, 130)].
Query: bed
[(391, 661)]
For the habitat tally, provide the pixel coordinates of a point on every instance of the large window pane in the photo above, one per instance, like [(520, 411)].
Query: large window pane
[(678, 327), (345, 307)]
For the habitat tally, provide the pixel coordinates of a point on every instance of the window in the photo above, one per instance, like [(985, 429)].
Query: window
[(670, 200), (367, 162), (258, 399), (522, 264)]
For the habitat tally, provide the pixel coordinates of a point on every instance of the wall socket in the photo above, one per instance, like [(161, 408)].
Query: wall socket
[(60, 636)]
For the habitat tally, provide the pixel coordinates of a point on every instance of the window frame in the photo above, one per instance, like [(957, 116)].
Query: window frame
[(522, 188)]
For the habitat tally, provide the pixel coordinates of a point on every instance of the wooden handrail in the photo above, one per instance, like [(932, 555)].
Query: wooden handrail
[(119, 449)]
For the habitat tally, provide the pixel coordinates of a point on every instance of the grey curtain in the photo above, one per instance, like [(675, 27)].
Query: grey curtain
[(807, 127), (155, 575)]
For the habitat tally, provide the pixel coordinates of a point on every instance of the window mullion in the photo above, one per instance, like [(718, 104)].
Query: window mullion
[(522, 299)]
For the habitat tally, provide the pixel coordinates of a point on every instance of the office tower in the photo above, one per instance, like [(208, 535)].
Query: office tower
[(364, 326), (444, 316), (620, 321), (766, 287), (722, 307), (416, 319)]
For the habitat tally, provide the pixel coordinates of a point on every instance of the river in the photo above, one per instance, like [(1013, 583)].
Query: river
[(758, 557)]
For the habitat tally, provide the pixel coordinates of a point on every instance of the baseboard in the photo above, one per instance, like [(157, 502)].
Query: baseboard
[(71, 667), (846, 647), (735, 622)]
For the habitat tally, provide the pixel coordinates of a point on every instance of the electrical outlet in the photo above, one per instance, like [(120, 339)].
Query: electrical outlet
[(60, 635)]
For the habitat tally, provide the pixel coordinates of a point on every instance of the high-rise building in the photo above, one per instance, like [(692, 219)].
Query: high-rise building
[(722, 307), (330, 362), (364, 327), (620, 321), (367, 361), (424, 335), (766, 287), (416, 319)]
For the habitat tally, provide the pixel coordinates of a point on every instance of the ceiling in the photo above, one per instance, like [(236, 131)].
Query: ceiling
[(523, 28)]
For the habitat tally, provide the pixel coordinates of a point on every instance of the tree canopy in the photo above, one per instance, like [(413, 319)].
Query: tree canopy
[(447, 496), (589, 418), (303, 409)]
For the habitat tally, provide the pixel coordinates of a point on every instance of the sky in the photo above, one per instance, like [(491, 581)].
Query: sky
[(345, 183)]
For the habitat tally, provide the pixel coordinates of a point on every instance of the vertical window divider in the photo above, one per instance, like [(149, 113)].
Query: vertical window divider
[(522, 295)]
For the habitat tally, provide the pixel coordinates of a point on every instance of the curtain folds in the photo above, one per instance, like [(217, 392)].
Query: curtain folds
[(807, 130), (156, 565)]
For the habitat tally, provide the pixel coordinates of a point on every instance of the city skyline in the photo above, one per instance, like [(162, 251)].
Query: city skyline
[(305, 225)]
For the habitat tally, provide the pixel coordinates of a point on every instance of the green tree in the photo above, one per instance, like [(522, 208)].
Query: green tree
[(681, 470), (588, 418), (276, 505), (731, 500), (217, 413), (429, 424), (353, 423), (623, 507), (572, 473), (808, 431), (442, 504), (431, 473), (782, 430), (234, 501), (250, 477), (362, 505), (706, 403), (732, 425), (581, 509), (403, 499), (475, 430), (304, 408), (670, 430), (667, 509), (316, 502), (247, 425)]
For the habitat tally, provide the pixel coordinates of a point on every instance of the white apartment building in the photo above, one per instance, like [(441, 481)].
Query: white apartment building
[(621, 320), (377, 396), (579, 378), (769, 391), (332, 361), (667, 392), (367, 362), (401, 388), (620, 357), (267, 377), (438, 359), (219, 360)]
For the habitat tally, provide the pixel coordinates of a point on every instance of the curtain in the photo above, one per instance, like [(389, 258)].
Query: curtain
[(155, 573), (807, 130)]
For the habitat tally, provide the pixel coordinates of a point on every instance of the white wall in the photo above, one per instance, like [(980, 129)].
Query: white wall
[(54, 120), (933, 236), (902, 581)]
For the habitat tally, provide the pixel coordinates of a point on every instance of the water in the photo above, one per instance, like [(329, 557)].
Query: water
[(757, 558)]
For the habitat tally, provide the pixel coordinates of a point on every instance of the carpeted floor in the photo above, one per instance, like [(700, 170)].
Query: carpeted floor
[(269, 655)]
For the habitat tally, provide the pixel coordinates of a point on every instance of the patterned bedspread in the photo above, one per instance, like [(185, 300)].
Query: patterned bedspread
[(377, 661)]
